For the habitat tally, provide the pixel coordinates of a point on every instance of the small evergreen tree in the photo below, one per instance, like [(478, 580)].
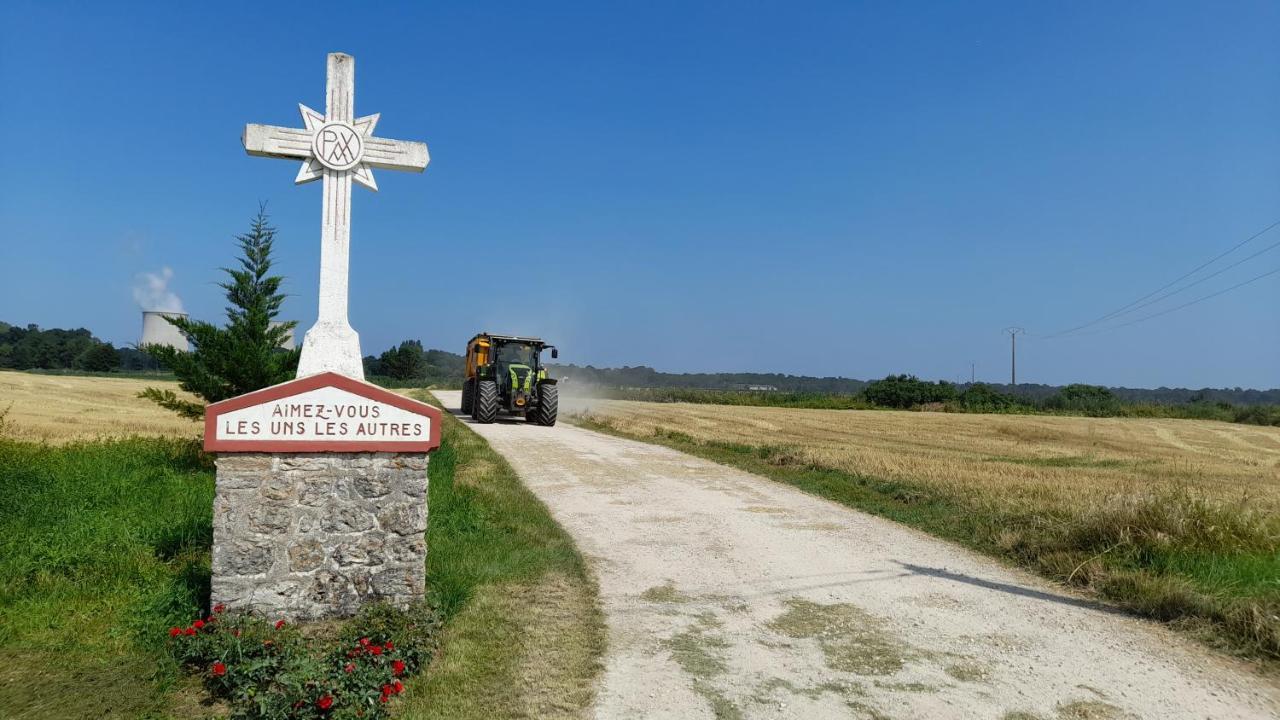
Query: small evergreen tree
[(243, 356)]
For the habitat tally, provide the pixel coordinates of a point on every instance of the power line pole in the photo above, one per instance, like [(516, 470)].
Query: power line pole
[(971, 365), (1013, 353)]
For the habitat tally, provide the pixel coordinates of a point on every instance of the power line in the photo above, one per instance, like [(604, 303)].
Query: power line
[(1186, 304), (1190, 285), (1129, 307)]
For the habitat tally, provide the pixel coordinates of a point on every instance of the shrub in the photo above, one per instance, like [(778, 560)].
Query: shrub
[(271, 670), (1258, 415), (1084, 399), (981, 397), (907, 391)]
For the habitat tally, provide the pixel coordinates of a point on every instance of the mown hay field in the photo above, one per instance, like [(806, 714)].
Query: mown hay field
[(1178, 520), (1053, 460), (63, 408)]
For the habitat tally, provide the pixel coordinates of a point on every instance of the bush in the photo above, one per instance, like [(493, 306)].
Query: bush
[(1258, 415), (271, 670), (1092, 400), (983, 398), (907, 391)]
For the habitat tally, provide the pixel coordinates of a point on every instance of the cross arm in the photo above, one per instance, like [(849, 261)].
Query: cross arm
[(395, 154), (277, 142)]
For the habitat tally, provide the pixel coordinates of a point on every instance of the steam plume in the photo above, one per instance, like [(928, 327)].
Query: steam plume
[(151, 292)]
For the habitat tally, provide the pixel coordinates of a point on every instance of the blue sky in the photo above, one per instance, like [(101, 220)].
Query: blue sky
[(815, 188)]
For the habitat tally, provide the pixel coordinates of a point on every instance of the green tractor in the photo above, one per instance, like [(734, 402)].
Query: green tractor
[(505, 374)]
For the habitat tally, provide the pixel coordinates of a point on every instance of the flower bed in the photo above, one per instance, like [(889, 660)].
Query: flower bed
[(266, 670)]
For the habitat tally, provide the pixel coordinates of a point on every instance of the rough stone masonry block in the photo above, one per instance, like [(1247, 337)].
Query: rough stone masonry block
[(317, 535)]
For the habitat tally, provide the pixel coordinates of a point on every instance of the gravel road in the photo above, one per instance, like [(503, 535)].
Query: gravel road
[(728, 595)]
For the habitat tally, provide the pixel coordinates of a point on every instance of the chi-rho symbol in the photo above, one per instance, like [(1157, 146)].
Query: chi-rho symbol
[(339, 149)]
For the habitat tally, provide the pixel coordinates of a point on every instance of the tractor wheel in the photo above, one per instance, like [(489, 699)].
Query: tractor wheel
[(468, 395), (485, 404), (548, 405)]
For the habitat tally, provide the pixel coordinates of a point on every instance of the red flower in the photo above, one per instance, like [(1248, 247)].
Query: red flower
[(397, 687), (175, 632), (397, 667), (219, 669), (388, 647), (219, 608), (325, 702), (197, 624), (236, 632), (386, 692), (350, 668), (375, 650), (364, 642), (189, 631), (280, 624)]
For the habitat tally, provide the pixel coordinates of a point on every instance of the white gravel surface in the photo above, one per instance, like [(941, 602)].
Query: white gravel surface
[(729, 595)]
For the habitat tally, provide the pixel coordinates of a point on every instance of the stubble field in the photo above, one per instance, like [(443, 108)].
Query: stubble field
[(63, 408), (1175, 519)]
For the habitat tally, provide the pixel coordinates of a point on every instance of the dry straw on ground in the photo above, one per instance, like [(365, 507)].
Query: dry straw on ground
[(63, 408), (1043, 461)]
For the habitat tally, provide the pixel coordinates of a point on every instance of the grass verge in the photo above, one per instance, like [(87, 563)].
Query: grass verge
[(1208, 567), (524, 634)]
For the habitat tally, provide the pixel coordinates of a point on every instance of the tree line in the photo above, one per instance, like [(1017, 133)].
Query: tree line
[(31, 347)]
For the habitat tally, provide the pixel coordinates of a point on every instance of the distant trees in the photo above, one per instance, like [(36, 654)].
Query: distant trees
[(1084, 399), (908, 391), (981, 397), (243, 356), (30, 348), (101, 357), (641, 376), (408, 362)]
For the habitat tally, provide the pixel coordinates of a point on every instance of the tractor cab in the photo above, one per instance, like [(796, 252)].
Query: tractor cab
[(504, 373)]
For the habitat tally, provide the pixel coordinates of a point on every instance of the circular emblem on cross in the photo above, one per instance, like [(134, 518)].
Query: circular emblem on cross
[(337, 146)]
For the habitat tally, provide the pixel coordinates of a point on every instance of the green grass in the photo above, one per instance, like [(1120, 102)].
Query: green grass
[(104, 545), (1208, 568), (524, 634)]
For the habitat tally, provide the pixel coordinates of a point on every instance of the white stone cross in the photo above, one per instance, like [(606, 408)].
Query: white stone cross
[(339, 148)]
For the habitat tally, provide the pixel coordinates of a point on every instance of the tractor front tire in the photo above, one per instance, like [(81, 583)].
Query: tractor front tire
[(468, 395), (486, 402), (548, 405)]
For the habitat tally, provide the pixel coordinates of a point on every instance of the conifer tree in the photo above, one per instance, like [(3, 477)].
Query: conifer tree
[(243, 356)]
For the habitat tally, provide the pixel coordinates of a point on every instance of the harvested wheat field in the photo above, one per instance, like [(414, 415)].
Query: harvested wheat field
[(64, 408), (1042, 459)]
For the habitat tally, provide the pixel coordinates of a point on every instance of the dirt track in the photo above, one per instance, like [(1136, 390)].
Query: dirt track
[(728, 595)]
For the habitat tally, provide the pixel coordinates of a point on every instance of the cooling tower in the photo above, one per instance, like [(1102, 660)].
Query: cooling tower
[(288, 343), (157, 331)]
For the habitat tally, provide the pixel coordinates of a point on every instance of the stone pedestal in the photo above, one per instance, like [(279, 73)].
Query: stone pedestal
[(315, 535)]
